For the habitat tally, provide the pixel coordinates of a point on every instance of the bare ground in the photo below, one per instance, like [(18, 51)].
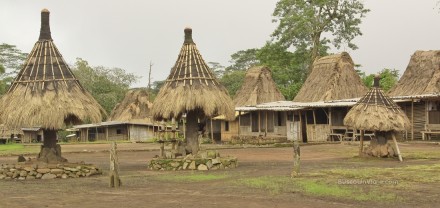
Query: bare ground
[(145, 188)]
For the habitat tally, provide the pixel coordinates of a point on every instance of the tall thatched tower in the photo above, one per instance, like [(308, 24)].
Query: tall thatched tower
[(46, 94), (191, 88)]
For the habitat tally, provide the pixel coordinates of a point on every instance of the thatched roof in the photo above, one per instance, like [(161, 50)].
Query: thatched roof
[(45, 92), (191, 85), (258, 87), (377, 112), (6, 132), (422, 75), (134, 107), (332, 78)]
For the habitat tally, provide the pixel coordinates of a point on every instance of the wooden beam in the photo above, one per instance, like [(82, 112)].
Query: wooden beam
[(259, 122), (361, 146), (239, 122), (265, 129), (212, 133), (412, 119), (397, 147)]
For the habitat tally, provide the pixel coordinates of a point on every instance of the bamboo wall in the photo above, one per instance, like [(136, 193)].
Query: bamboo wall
[(140, 133), (419, 117), (317, 133)]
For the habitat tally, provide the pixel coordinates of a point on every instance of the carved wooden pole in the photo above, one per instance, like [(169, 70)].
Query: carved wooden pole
[(296, 156), (115, 181)]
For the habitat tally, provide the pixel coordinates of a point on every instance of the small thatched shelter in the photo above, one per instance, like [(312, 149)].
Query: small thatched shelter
[(46, 93), (134, 107), (191, 88), (258, 87), (377, 112), (332, 78), (419, 92)]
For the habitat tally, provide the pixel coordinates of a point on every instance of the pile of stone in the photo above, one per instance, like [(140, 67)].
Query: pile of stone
[(258, 140), (27, 171), (204, 160)]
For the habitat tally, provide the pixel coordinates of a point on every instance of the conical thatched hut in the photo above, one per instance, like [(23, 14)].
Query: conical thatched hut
[(332, 78), (46, 93), (134, 107), (258, 87), (419, 92), (377, 112), (191, 88)]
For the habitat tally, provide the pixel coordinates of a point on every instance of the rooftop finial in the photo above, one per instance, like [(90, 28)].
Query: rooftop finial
[(188, 35), (376, 80), (45, 27)]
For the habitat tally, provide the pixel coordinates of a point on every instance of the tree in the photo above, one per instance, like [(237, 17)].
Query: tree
[(313, 24), (11, 60), (217, 68), (242, 60), (389, 78), (233, 81), (107, 85)]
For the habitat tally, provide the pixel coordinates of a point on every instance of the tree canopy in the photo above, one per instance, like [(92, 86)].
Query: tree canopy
[(11, 59), (107, 85), (315, 24), (388, 78)]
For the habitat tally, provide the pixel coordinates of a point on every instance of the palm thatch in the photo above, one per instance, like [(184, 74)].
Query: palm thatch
[(332, 78), (422, 75), (377, 112), (258, 87), (191, 85), (6, 132), (134, 107), (45, 92)]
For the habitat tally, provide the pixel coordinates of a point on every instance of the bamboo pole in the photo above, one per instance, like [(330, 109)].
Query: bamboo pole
[(397, 147)]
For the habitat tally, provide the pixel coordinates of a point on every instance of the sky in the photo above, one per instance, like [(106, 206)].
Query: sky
[(130, 34)]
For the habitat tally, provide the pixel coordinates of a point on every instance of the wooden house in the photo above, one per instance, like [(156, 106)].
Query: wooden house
[(418, 94), (32, 134), (258, 87)]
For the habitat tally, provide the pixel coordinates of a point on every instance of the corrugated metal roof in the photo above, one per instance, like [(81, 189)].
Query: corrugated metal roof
[(109, 123)]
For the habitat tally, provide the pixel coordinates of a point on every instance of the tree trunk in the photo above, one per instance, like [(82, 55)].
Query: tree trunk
[(380, 147), (50, 151), (191, 130), (315, 50)]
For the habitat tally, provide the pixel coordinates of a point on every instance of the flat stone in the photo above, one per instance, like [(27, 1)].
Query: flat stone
[(64, 176), (28, 169), (21, 178), (2, 177), (57, 171), (209, 164), (29, 177), (23, 173), (175, 164), (43, 170), (215, 161), (185, 165), (48, 176), (202, 167), (15, 175), (39, 175)]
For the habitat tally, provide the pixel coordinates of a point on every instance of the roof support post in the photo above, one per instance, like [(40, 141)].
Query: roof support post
[(412, 119)]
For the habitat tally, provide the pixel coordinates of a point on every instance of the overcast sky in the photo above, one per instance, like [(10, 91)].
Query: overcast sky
[(129, 34)]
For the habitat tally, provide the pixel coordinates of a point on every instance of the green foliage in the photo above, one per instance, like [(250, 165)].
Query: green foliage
[(155, 88), (243, 60), (107, 85), (11, 60), (233, 81), (389, 78), (217, 68), (314, 25)]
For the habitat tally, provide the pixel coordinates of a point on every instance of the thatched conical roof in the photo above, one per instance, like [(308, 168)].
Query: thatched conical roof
[(258, 87), (45, 92), (332, 78), (377, 112), (422, 75), (191, 85), (134, 107)]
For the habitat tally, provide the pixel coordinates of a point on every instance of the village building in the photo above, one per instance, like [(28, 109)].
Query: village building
[(418, 94), (258, 87), (129, 120)]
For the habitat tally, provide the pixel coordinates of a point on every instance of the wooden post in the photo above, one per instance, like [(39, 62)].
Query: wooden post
[(250, 119), (87, 135), (239, 122), (128, 132), (259, 122), (361, 146), (106, 133), (115, 181), (314, 124), (300, 126), (212, 132), (265, 124), (296, 158), (412, 119), (162, 147), (330, 118), (97, 134), (397, 147)]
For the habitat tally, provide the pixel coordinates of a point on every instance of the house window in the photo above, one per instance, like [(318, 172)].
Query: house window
[(118, 131), (226, 125)]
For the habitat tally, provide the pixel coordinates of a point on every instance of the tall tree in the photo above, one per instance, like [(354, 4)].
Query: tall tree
[(107, 85), (11, 59), (314, 24), (242, 60)]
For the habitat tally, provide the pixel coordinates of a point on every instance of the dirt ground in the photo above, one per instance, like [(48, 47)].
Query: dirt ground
[(142, 187)]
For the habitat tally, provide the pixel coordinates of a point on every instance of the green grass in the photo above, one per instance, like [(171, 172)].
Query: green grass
[(191, 177), (314, 187), (17, 149)]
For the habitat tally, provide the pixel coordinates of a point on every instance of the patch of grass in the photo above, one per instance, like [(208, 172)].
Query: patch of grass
[(192, 177), (17, 149), (272, 184), (422, 155)]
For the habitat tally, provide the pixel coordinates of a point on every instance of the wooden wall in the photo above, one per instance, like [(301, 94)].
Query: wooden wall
[(317, 133), (140, 133), (419, 117)]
